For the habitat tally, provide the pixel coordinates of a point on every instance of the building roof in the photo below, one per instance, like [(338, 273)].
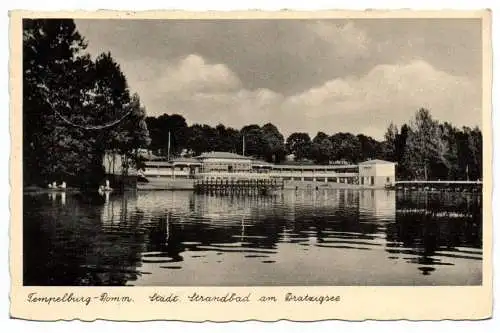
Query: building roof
[(313, 166), (370, 162), (262, 163), (301, 162), (185, 160), (223, 155)]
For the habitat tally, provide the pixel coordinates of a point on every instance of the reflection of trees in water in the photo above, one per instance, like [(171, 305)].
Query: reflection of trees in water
[(427, 223), (69, 245)]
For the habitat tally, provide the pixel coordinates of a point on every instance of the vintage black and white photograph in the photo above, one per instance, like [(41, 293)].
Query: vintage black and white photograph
[(252, 152)]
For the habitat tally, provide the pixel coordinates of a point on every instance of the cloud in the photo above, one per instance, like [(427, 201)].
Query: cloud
[(192, 74), (388, 93), (212, 94), (346, 40)]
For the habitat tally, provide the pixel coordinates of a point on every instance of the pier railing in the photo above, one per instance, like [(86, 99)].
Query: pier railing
[(232, 186), (466, 182), (231, 175), (440, 185)]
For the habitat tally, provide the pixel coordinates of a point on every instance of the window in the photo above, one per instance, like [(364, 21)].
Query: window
[(372, 180), (388, 180)]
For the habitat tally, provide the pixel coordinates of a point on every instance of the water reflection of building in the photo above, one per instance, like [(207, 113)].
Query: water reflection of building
[(380, 203), (116, 209), (161, 201)]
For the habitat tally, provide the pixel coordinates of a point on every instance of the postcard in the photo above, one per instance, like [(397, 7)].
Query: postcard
[(231, 166)]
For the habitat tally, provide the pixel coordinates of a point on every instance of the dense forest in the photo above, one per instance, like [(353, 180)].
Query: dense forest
[(423, 149), (76, 108)]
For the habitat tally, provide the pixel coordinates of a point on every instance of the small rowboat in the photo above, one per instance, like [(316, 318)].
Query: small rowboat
[(55, 187), (103, 189), (106, 188)]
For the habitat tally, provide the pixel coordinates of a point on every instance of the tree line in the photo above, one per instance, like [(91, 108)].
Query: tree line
[(74, 108), (428, 149), (422, 149), (263, 142)]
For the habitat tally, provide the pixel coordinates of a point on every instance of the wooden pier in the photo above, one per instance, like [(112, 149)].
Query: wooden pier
[(440, 185), (252, 187)]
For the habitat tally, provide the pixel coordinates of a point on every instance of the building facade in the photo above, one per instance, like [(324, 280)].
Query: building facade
[(377, 173), (224, 162), (160, 173)]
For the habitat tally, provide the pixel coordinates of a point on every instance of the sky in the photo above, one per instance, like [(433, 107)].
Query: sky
[(332, 75)]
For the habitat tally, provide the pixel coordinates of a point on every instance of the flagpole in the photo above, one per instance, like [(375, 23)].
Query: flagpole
[(168, 147), (243, 145)]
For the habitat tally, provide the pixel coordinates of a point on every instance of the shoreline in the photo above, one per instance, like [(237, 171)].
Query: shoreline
[(188, 185)]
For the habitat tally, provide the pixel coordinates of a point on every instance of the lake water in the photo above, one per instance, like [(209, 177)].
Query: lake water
[(325, 237)]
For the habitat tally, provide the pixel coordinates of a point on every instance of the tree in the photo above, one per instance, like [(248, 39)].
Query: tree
[(390, 143), (299, 144), (476, 154), (55, 79), (161, 127), (108, 100), (227, 139), (66, 99), (321, 149), (400, 149), (370, 148), (346, 147), (178, 129), (254, 142), (426, 148), (197, 141), (134, 134), (449, 135), (274, 143)]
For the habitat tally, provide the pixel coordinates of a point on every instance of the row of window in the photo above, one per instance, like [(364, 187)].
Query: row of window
[(329, 180), (346, 180), (226, 168), (371, 180), (234, 167), (226, 165), (170, 176), (151, 168)]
